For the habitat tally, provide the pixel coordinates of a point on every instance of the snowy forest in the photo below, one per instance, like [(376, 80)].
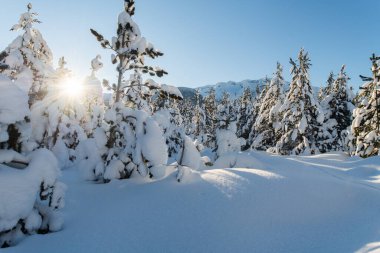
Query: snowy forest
[(56, 132)]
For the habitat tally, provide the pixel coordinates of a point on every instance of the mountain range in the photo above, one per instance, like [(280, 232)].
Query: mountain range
[(234, 89)]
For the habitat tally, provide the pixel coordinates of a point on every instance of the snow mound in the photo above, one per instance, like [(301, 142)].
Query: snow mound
[(30, 196), (238, 160)]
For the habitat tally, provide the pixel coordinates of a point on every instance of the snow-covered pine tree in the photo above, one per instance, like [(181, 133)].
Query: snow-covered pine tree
[(58, 118), (366, 124), (93, 99), (245, 116), (267, 121), (183, 151), (170, 119), (29, 58), (132, 141), (209, 107), (28, 182), (187, 108), (226, 139), (225, 115), (325, 91), (302, 115), (337, 107), (130, 49), (260, 94), (199, 122), (244, 110)]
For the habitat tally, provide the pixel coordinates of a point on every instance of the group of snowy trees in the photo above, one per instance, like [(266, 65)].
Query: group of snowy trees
[(48, 121), (291, 121)]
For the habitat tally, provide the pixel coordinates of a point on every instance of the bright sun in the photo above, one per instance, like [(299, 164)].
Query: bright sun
[(72, 88)]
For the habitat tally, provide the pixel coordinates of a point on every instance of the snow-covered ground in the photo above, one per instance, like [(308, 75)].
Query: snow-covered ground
[(324, 203)]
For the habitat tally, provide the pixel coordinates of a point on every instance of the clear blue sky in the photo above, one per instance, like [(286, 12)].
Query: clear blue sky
[(206, 41)]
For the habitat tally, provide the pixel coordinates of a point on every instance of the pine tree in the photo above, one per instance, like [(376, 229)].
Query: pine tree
[(93, 99), (245, 116), (209, 108), (199, 119), (302, 116), (267, 121), (56, 119), (131, 131), (170, 119), (225, 115), (130, 50), (338, 108), (260, 94), (29, 58), (325, 91), (187, 109), (31, 177), (366, 124), (226, 139)]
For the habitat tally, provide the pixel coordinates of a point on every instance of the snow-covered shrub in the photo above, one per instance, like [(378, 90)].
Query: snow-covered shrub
[(135, 144), (227, 141), (89, 156), (30, 196)]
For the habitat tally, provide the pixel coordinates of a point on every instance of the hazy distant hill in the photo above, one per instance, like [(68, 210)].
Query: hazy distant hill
[(235, 89)]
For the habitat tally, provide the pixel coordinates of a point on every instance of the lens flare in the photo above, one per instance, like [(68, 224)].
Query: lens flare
[(72, 88)]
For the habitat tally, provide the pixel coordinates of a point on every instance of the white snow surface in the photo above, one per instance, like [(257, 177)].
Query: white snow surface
[(266, 203)]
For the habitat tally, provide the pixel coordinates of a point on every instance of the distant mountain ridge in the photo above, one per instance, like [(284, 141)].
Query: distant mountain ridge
[(234, 89)]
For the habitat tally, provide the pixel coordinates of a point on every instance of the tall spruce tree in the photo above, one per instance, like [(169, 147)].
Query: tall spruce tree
[(130, 130), (260, 94), (244, 116), (302, 115), (210, 108), (366, 124), (199, 119), (325, 91), (187, 109), (267, 121), (134, 140), (338, 107)]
